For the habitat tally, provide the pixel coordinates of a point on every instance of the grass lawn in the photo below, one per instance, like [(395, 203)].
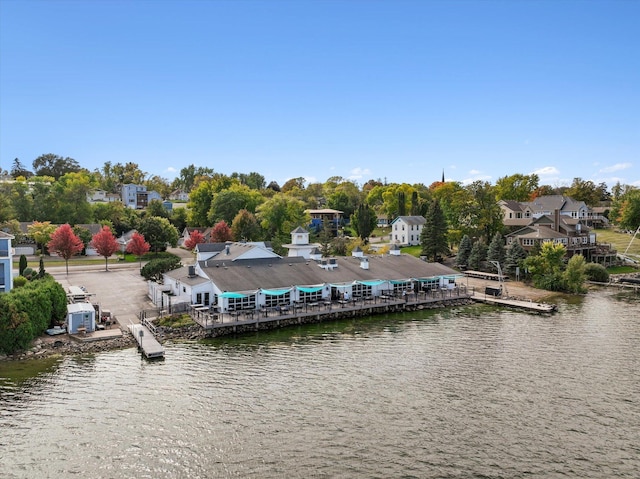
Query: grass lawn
[(620, 241)]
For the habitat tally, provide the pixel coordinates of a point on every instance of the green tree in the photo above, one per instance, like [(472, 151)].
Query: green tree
[(129, 173), (179, 218), (433, 238), (188, 176), (516, 187), (587, 191), (464, 251), (41, 232), (515, 257), (253, 180), (325, 238), (482, 216), (245, 226), (625, 211), (54, 165), (41, 270), (496, 251), (477, 255), (19, 170), (154, 269), (156, 208), (44, 201), (546, 268), (596, 272), (200, 203), (158, 232), (226, 204), (70, 193), (574, 275), (280, 215), (22, 265), (364, 221), (22, 201)]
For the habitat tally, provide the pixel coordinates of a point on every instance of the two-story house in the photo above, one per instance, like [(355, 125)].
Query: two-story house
[(406, 230), (6, 262), (137, 197)]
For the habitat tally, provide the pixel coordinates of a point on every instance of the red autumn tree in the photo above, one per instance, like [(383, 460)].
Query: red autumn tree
[(65, 243), (105, 244), (221, 232), (195, 238), (138, 246)]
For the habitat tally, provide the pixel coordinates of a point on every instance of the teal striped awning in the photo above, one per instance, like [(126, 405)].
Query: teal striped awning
[(228, 294), (400, 281), (276, 292), (372, 283), (315, 289)]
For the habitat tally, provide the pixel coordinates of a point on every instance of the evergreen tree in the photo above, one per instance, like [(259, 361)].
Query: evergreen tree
[(364, 221), (496, 251), (22, 265), (402, 206), (41, 271), (478, 255), (433, 238), (515, 255), (464, 250)]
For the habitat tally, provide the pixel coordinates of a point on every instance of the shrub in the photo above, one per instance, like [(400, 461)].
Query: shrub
[(596, 272), (27, 312), (19, 281)]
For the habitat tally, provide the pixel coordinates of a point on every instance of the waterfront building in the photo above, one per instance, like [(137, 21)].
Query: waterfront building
[(250, 276)]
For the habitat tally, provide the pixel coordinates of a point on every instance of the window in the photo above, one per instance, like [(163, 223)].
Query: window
[(271, 301), (248, 302), (310, 297), (528, 242)]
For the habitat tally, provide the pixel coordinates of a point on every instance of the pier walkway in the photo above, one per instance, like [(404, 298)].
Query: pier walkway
[(149, 346)]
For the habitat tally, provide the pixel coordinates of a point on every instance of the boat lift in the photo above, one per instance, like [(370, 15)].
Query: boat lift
[(503, 288), (624, 255)]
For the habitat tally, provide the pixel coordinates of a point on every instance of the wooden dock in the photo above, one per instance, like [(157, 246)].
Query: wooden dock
[(149, 346), (527, 305)]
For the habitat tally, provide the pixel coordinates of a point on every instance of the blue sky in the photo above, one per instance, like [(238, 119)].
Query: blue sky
[(390, 90)]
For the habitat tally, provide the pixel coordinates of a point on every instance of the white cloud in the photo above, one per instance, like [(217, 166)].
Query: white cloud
[(476, 176), (616, 167), (547, 171), (360, 172)]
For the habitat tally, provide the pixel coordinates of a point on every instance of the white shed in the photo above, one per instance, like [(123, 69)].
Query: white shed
[(81, 315)]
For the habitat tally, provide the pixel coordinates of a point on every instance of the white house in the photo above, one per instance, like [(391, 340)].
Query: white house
[(405, 230)]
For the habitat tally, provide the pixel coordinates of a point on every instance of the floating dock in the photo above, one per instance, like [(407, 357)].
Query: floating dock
[(149, 346), (517, 303)]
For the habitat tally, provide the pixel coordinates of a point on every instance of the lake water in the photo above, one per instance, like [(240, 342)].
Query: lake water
[(474, 392)]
